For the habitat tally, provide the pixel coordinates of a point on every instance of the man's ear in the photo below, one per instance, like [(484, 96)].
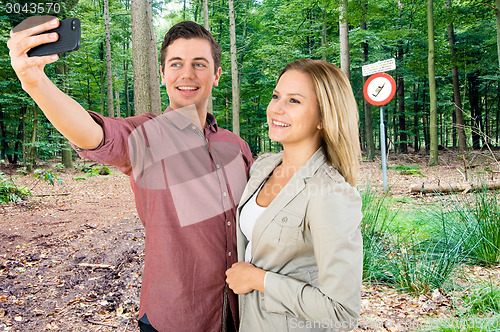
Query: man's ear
[(217, 76), (162, 76)]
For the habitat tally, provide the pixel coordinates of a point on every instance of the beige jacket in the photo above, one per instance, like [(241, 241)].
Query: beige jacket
[(309, 241)]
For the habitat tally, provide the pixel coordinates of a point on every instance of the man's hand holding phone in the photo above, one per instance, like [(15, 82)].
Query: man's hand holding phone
[(33, 45)]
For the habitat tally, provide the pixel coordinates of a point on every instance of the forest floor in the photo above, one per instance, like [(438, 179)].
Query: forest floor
[(71, 256)]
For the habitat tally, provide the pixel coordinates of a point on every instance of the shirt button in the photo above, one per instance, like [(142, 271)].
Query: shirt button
[(229, 223), (285, 219), (217, 166), (225, 194), (193, 127), (229, 253)]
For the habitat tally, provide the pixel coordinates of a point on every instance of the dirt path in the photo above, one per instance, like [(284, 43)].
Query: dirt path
[(71, 259)]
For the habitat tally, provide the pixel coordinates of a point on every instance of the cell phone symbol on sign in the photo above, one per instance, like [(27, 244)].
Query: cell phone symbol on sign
[(378, 89)]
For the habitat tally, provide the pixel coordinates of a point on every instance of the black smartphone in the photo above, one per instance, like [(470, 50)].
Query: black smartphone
[(69, 31)]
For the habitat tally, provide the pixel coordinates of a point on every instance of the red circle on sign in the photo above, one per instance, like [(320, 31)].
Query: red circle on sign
[(372, 89)]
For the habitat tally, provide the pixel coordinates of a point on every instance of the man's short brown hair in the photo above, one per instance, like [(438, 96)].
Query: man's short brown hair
[(189, 30)]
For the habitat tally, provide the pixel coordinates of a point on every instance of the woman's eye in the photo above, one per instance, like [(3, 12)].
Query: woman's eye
[(295, 101), (275, 96)]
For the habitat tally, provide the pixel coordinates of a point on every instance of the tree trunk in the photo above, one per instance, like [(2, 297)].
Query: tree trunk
[(101, 74), (323, 38), (234, 70), (62, 70), (497, 15), (403, 145), (433, 156), (109, 71), (206, 25), (460, 125), (475, 110), (145, 59), (31, 151), (370, 142), (345, 62), (117, 98)]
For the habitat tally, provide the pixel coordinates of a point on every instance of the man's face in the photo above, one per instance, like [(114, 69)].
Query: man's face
[(189, 73)]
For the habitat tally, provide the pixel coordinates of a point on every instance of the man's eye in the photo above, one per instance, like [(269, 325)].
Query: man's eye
[(175, 65), (200, 65), (295, 101)]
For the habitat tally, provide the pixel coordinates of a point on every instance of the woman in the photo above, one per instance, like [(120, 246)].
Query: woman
[(299, 241)]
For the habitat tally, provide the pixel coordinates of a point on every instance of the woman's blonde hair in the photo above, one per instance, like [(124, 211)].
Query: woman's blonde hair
[(339, 115)]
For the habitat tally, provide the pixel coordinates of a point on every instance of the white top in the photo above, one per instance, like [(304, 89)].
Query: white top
[(248, 217)]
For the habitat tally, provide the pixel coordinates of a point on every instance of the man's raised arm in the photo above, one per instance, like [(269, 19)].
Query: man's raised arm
[(69, 117)]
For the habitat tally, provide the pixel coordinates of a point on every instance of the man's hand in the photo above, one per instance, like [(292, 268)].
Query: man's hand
[(244, 277), (25, 36)]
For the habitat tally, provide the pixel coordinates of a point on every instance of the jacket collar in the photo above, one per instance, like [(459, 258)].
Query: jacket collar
[(294, 187)]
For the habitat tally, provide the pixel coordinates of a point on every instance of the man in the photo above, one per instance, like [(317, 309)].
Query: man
[(187, 174)]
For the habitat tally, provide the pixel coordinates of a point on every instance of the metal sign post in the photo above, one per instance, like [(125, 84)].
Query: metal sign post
[(378, 90)]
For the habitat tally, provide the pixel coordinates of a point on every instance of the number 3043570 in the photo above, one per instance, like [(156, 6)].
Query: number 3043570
[(39, 8)]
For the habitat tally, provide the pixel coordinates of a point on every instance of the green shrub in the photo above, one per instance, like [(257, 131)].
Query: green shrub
[(376, 236), (483, 300), (47, 176), (10, 192), (478, 217)]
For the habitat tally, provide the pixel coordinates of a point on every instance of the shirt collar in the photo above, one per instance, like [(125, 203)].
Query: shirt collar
[(181, 122)]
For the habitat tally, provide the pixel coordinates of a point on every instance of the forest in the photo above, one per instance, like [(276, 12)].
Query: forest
[(72, 244), (457, 106)]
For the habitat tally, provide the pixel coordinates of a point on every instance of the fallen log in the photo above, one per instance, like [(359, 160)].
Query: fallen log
[(429, 188)]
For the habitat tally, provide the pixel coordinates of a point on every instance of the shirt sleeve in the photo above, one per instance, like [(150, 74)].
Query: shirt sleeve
[(113, 149), (334, 219)]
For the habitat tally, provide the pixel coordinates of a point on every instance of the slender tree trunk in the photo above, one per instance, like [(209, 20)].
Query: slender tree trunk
[(206, 25), (345, 61), (433, 156), (416, 122), (145, 59), (475, 110), (234, 70), (370, 142), (62, 69), (20, 136), (109, 71), (31, 155), (101, 75), (323, 38), (403, 145), (497, 15), (460, 125)]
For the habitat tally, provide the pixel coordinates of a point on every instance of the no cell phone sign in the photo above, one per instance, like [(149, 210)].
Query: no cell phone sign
[(379, 89)]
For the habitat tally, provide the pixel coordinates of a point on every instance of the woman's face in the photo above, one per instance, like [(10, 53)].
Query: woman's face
[(293, 114)]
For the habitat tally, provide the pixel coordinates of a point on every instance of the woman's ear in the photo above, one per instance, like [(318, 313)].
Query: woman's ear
[(320, 126)]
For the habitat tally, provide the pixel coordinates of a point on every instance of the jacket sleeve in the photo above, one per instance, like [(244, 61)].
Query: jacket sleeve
[(334, 217)]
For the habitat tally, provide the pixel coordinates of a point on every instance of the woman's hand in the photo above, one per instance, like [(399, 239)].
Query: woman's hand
[(244, 277)]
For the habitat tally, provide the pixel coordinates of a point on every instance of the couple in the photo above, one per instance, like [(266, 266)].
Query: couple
[(297, 261)]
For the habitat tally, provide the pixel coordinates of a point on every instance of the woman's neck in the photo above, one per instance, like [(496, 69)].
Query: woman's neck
[(294, 158)]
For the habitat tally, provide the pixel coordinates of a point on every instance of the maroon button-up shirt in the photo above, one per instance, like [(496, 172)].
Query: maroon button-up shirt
[(187, 185)]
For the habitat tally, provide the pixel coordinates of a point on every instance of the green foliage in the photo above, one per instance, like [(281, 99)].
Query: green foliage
[(46, 176), (59, 166), (477, 217), (377, 240), (483, 300), (10, 192), (79, 178), (95, 170), (466, 324)]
